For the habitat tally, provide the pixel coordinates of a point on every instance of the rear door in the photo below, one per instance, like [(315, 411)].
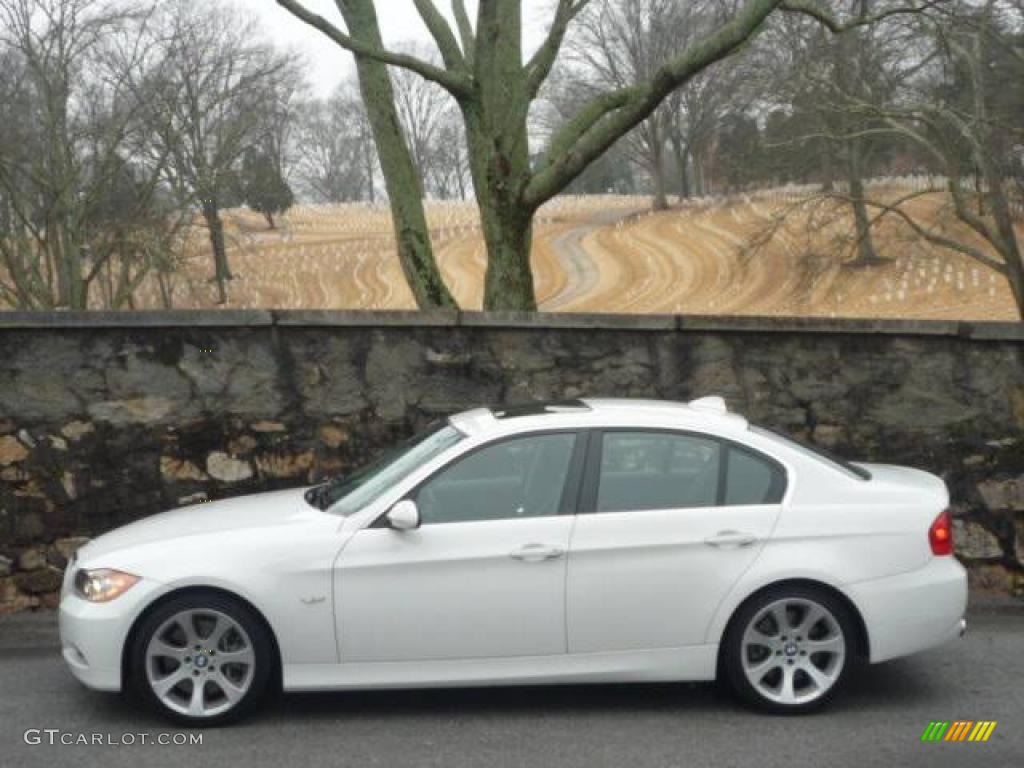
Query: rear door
[(668, 522)]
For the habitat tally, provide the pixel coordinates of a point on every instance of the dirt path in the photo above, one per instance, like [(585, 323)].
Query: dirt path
[(582, 274)]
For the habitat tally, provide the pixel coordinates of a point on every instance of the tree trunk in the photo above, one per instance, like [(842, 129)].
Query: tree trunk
[(270, 220), (828, 172), (1015, 277), (658, 179), (499, 158), (404, 186), (166, 292), (67, 255), (681, 153), (1009, 246), (655, 161), (508, 283), (699, 189), (866, 254), (222, 271), (368, 160)]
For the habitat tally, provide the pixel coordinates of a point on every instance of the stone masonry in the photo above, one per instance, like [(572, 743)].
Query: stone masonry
[(106, 418)]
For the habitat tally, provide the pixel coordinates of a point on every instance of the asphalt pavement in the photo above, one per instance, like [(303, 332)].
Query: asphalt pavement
[(877, 720)]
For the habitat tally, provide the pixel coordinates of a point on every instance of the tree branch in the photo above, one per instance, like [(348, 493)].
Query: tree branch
[(439, 29), (927, 234), (820, 12), (455, 83), (465, 31), (540, 64), (595, 129)]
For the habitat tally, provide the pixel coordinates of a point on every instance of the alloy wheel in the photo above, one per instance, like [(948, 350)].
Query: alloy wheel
[(793, 651), (200, 662)]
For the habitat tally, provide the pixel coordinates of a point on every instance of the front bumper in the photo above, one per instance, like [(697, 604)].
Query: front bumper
[(92, 635), (913, 611)]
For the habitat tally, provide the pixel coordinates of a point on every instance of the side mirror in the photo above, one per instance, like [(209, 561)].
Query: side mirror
[(404, 516)]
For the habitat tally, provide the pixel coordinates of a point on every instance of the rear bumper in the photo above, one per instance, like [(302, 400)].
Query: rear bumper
[(913, 611)]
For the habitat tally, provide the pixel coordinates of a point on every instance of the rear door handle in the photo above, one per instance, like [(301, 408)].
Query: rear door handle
[(536, 553), (730, 539)]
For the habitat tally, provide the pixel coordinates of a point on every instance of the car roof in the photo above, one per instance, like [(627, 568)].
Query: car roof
[(708, 413)]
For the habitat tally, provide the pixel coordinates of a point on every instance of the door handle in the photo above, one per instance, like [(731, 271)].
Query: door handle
[(536, 553), (731, 539)]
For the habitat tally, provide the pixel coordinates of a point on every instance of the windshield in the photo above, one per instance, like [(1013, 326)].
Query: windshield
[(352, 492), (815, 452)]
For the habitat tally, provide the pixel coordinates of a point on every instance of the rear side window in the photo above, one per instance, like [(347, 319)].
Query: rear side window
[(657, 470), (651, 470), (751, 479)]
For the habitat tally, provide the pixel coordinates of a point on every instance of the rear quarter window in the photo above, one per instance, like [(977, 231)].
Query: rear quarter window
[(752, 479)]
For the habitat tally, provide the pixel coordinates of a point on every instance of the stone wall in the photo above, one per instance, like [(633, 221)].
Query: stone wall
[(105, 418)]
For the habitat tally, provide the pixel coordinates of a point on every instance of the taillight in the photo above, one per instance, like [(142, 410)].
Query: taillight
[(940, 535)]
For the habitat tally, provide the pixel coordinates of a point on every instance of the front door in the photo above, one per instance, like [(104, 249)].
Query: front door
[(484, 575)]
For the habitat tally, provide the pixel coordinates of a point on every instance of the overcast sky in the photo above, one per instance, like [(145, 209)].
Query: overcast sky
[(399, 21)]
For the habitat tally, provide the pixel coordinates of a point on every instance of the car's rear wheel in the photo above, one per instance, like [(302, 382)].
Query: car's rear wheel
[(201, 659), (788, 649)]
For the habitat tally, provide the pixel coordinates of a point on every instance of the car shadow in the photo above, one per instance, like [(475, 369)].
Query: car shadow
[(892, 685)]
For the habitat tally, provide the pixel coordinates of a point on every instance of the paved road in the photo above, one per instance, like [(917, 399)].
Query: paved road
[(878, 721)]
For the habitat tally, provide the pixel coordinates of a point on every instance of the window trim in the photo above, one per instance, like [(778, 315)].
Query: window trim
[(595, 448), (571, 486)]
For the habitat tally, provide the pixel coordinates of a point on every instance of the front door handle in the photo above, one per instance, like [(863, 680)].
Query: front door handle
[(536, 553), (731, 539)]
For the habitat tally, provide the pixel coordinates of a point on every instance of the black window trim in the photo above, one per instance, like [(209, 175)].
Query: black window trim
[(595, 444), (571, 487)]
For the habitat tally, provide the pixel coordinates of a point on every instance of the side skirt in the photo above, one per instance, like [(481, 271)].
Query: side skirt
[(692, 663)]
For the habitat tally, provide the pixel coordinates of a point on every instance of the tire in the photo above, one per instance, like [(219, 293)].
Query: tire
[(202, 637), (794, 667)]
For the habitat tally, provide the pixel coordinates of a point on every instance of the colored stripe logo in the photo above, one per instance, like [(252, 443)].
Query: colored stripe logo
[(958, 730)]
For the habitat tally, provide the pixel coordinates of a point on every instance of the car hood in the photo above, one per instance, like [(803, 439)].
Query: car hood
[(254, 511)]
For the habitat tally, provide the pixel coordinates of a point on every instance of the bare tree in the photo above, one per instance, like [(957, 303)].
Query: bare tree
[(213, 82), (421, 107), (620, 43), (401, 178), (432, 128), (78, 202), (939, 95), (970, 126), (484, 70), (334, 153), (695, 112), (447, 168)]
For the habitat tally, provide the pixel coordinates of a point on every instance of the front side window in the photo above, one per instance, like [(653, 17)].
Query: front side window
[(348, 494), (518, 477), (657, 470)]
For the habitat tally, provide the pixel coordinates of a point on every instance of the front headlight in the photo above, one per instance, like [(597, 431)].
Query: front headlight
[(103, 584)]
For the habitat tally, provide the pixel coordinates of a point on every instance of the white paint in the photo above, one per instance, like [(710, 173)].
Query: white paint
[(601, 597)]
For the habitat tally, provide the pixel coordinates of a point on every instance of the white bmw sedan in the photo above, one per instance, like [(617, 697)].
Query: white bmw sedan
[(581, 542)]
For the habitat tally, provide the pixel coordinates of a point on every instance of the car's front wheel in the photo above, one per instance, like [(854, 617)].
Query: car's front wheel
[(788, 649), (201, 659)]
